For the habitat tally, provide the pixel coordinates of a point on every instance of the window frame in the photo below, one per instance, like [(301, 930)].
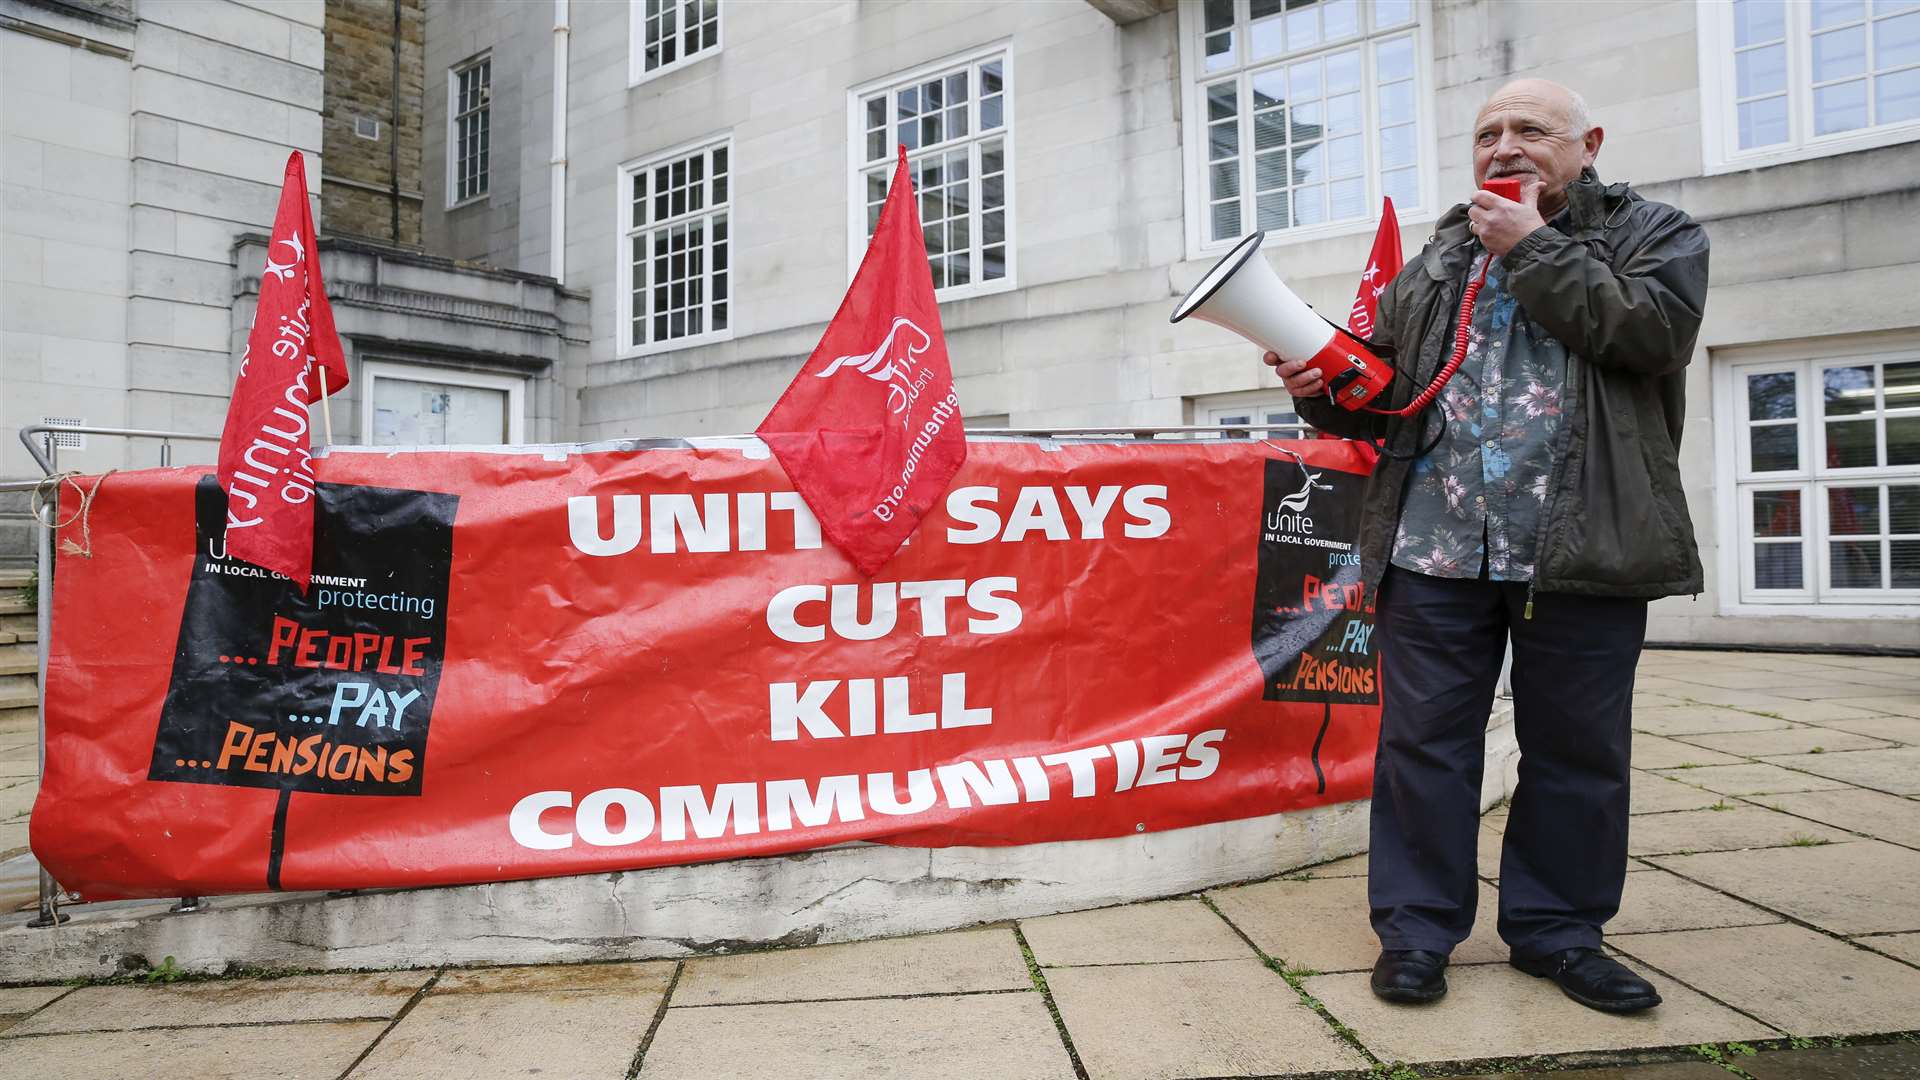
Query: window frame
[(857, 165), (637, 72), (1213, 410), (1191, 30), (625, 348), (1735, 482), (372, 371), (454, 201), (1719, 120)]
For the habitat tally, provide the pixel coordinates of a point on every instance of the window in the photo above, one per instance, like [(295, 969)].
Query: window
[(1788, 80), (414, 405), (956, 124), (673, 257), (1303, 114), (1259, 414), (1827, 480), (667, 34), (470, 92)]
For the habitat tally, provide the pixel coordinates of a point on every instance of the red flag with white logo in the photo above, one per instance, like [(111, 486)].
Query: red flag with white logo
[(1382, 264), (870, 430), (264, 464)]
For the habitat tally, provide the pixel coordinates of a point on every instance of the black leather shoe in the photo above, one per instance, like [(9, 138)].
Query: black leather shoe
[(1593, 979), (1410, 975)]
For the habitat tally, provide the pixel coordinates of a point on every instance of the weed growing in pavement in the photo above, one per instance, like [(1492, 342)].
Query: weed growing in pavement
[(1803, 840), (167, 972), (1818, 750), (1799, 1042), (1721, 805), (1724, 1057)]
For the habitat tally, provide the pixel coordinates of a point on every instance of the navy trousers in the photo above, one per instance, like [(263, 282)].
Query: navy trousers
[(1564, 860)]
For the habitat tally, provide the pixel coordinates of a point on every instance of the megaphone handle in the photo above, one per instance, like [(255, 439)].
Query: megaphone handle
[(1461, 334)]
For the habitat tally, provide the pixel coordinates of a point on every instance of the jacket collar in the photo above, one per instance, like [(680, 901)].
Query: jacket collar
[(1450, 249)]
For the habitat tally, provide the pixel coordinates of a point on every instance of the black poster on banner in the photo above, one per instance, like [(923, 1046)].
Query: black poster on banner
[(330, 692), (1312, 614)]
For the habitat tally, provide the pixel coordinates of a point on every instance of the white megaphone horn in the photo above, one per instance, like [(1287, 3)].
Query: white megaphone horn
[(1243, 294)]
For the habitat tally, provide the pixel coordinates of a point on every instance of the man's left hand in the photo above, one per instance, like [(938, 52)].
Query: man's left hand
[(1501, 223)]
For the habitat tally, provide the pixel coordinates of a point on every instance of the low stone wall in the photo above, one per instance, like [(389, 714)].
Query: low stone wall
[(844, 893)]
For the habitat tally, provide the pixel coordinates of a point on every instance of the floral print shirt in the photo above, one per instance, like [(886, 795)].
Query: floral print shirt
[(1475, 503)]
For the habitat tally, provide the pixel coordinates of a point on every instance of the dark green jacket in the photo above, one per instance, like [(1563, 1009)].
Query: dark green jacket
[(1622, 282)]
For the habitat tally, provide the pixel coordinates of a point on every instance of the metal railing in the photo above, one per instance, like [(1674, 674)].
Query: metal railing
[(41, 441)]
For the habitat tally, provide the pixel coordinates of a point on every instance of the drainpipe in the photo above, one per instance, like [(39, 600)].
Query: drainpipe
[(393, 130), (557, 165)]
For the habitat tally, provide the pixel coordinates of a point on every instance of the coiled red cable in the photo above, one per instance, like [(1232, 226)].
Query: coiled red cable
[(1460, 336)]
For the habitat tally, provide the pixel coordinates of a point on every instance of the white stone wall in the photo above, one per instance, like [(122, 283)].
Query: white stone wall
[(63, 231), (221, 92)]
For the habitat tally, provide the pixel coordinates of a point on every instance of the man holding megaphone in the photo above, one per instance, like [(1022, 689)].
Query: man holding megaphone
[(1539, 500)]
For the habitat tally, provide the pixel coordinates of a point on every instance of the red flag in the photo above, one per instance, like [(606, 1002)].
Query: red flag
[(870, 430), (1382, 265), (264, 466)]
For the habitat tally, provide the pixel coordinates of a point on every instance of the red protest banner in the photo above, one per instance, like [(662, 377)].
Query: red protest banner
[(264, 464), (516, 665), (1383, 262), (870, 430)]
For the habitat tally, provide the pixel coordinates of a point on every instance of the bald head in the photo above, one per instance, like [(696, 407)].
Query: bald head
[(1535, 129)]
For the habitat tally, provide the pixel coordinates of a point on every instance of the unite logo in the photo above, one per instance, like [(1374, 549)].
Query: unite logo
[(1291, 513), (284, 270), (894, 362)]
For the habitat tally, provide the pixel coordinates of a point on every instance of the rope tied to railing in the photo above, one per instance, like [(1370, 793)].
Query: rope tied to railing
[(43, 500)]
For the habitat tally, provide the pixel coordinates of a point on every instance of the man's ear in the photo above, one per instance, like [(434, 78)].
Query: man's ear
[(1593, 138)]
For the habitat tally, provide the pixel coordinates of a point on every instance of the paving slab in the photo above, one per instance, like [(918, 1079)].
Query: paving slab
[(1655, 794), (1494, 1011), (1721, 830), (1750, 700), (19, 1000), (239, 1001), (1750, 778), (1672, 1070), (1659, 901), (1768, 678), (1888, 817), (1658, 752), (285, 1052), (1896, 770), (1794, 740), (1218, 1018), (1701, 720), (1896, 1061), (1322, 925), (1822, 712), (931, 964), (1904, 730), (1899, 704), (1351, 866), (580, 1021), (1899, 946), (1164, 932), (1800, 981), (1004, 1036), (1863, 887)]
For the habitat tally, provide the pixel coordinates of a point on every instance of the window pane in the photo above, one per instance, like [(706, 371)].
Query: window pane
[(1268, 38), (1840, 107), (1839, 53), (1755, 21), (1849, 390), (1272, 209), (1391, 13), (957, 87), (1226, 220), (1402, 186), (1897, 97), (1395, 59), (1223, 180), (1219, 14), (1902, 387), (1223, 140), (1896, 42), (1777, 566), (1303, 29), (1855, 565), (993, 263), (1270, 171), (1850, 445), (1269, 88), (1397, 146), (1906, 564), (1853, 511), (1222, 102), (1348, 199), (1775, 448), (1343, 114), (1345, 157), (1763, 123), (1219, 51), (1309, 165), (990, 78), (990, 112), (1310, 206), (1342, 18), (993, 228), (1903, 440), (1834, 12), (1396, 103), (1776, 513), (1760, 71), (1903, 509), (1270, 130), (990, 158), (1770, 396), (993, 192)]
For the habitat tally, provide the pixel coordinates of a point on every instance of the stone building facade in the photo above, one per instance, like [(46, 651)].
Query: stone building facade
[(370, 126), (1128, 143)]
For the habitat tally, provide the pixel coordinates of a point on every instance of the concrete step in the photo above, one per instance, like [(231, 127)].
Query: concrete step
[(17, 719), (19, 659), (15, 576), (13, 603), (18, 692), (22, 627)]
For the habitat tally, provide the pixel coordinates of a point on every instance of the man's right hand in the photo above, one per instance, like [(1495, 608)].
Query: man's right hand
[(1301, 380)]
